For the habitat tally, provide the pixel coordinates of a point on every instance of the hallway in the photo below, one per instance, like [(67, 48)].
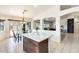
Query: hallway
[(69, 44)]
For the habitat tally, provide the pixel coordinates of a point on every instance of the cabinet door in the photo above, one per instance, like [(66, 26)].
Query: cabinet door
[(30, 45), (43, 46)]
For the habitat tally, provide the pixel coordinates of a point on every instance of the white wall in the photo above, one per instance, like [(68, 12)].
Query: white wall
[(64, 23), (76, 20), (76, 25)]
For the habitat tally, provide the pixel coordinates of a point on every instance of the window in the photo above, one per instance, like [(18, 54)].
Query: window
[(49, 23), (36, 24), (1, 25)]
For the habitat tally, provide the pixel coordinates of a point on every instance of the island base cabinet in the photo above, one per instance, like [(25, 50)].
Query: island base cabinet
[(31, 46), (43, 46)]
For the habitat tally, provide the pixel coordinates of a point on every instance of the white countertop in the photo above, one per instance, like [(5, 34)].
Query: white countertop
[(38, 37)]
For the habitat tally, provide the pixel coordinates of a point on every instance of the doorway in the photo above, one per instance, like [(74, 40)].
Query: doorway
[(70, 25)]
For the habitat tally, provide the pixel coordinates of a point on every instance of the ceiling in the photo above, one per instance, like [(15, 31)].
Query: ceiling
[(74, 14), (63, 7), (16, 10)]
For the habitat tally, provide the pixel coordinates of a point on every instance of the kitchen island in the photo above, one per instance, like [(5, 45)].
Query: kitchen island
[(36, 43)]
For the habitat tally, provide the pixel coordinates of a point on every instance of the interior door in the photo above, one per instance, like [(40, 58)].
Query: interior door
[(70, 25)]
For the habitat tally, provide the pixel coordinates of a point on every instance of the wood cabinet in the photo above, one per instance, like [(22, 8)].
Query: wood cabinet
[(32, 46)]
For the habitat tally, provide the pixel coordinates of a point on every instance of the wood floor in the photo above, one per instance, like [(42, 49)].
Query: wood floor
[(69, 44), (11, 46)]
